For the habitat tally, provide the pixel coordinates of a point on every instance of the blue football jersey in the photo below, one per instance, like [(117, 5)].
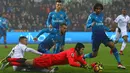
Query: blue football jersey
[(56, 18), (53, 37), (98, 28)]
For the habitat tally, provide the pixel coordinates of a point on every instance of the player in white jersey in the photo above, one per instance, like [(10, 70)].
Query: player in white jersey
[(121, 31), (19, 50)]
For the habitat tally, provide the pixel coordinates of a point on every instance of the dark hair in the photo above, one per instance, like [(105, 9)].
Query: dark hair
[(63, 24), (123, 9), (22, 37), (79, 46), (98, 5), (58, 1)]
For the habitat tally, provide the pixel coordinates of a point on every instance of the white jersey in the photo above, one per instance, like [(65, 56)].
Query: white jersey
[(122, 21), (19, 50)]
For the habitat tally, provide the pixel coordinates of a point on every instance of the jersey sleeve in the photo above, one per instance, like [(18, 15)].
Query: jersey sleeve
[(11, 53), (82, 61), (67, 19), (32, 50), (71, 60), (117, 19), (128, 19), (47, 30), (49, 19), (89, 21)]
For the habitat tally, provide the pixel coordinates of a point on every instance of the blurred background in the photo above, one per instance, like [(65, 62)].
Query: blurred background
[(31, 15)]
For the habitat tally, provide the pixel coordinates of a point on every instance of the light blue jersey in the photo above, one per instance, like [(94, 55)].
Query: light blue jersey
[(3, 26), (57, 18), (53, 38), (99, 28)]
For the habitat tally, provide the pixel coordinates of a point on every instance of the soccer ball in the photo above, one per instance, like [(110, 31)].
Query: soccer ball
[(98, 68)]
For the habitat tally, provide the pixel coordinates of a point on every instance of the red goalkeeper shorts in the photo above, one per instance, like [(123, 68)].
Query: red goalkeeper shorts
[(43, 61)]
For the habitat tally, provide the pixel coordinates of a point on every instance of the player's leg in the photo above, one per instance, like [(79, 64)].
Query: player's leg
[(125, 38), (5, 42), (118, 35), (0, 33), (42, 49), (108, 42), (95, 47), (63, 43), (57, 48)]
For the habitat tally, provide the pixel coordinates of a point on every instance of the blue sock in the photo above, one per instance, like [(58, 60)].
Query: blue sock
[(116, 54), (89, 55)]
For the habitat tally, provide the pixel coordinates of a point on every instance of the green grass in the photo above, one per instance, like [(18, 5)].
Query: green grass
[(109, 62)]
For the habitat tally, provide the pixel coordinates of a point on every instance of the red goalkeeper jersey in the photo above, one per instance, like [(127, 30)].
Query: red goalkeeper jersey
[(66, 57)]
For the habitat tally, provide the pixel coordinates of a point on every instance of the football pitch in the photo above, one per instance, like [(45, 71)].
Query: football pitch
[(109, 62)]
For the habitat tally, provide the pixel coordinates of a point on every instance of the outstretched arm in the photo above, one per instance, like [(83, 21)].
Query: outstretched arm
[(33, 51)]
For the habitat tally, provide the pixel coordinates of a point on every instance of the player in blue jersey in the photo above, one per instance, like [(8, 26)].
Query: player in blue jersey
[(95, 20), (3, 27), (56, 17), (55, 37)]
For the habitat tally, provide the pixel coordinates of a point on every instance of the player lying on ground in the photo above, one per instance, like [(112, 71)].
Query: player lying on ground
[(54, 37), (95, 20), (3, 27), (19, 50), (57, 17), (72, 56), (121, 31)]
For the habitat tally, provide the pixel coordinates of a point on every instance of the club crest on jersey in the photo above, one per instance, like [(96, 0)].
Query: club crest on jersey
[(61, 15), (53, 15), (72, 54)]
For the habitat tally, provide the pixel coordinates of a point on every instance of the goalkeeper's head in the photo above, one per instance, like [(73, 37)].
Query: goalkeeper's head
[(79, 48)]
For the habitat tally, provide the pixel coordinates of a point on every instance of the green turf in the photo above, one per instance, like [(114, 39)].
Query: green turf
[(109, 62)]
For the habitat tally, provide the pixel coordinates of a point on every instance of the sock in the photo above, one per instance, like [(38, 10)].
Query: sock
[(123, 46), (15, 64), (5, 43), (13, 59), (116, 54), (89, 55)]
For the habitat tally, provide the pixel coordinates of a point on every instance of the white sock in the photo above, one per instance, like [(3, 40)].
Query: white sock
[(123, 46)]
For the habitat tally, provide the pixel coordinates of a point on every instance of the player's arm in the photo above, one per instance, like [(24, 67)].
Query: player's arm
[(67, 19), (106, 28), (82, 60), (90, 22), (47, 30), (57, 48), (48, 23), (27, 49), (1, 26), (116, 21), (129, 24), (11, 53), (71, 60)]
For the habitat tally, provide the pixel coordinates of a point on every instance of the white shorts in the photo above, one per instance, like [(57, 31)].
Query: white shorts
[(122, 33)]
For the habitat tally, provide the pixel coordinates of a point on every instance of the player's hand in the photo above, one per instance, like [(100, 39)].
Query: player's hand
[(84, 66), (35, 39), (93, 24), (112, 29), (50, 26)]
